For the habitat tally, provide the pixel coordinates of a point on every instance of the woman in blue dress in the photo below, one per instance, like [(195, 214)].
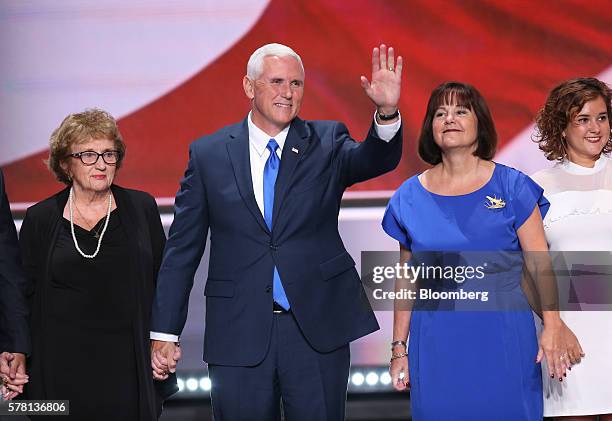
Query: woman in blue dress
[(471, 365)]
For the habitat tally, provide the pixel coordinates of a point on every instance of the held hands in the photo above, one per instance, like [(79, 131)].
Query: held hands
[(384, 89), (164, 356), (561, 348), (12, 374)]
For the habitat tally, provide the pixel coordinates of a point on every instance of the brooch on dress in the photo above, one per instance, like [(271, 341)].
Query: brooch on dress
[(495, 203)]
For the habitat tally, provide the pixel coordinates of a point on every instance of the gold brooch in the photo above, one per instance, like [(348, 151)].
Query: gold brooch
[(495, 203)]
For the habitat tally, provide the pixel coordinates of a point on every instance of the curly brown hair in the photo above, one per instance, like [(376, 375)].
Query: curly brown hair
[(561, 106), (81, 127)]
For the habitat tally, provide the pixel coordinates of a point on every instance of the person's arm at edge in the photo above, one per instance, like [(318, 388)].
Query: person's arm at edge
[(402, 313), (371, 158), (556, 339), (182, 254), (13, 284)]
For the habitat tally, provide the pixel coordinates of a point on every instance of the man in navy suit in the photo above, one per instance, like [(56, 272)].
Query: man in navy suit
[(14, 333), (283, 298)]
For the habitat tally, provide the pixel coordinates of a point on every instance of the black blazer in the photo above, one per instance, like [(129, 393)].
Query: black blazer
[(319, 161), (14, 335), (140, 218)]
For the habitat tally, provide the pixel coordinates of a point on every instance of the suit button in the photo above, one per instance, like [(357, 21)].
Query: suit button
[(269, 288), (273, 246)]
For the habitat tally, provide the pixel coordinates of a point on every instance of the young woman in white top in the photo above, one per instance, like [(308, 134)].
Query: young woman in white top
[(574, 130)]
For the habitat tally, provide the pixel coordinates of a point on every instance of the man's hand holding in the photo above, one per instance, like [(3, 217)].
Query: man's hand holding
[(164, 356)]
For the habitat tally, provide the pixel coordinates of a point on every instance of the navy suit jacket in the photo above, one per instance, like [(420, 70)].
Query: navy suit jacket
[(318, 274), (14, 331)]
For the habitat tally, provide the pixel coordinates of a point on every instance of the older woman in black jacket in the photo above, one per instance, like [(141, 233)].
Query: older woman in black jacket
[(92, 252)]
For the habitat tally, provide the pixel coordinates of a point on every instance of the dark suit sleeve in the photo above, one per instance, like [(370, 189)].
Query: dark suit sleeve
[(158, 236), (14, 335), (362, 161), (183, 251)]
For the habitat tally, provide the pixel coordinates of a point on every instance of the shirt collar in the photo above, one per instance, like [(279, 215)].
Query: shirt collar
[(573, 168), (259, 139)]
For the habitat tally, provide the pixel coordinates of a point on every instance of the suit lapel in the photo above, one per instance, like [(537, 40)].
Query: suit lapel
[(294, 149), (238, 150)]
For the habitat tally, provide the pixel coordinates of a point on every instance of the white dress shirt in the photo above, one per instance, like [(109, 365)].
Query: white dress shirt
[(259, 153)]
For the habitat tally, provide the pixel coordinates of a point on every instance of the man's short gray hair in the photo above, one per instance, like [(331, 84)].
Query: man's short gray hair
[(255, 64)]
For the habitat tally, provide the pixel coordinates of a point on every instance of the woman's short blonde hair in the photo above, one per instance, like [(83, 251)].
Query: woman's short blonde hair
[(77, 128)]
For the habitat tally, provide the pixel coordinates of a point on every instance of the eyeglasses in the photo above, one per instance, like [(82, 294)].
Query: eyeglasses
[(91, 157)]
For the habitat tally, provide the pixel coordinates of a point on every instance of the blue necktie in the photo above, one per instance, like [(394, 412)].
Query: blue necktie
[(269, 179)]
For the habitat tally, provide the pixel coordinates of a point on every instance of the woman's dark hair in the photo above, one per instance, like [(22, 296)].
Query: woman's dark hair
[(464, 95)]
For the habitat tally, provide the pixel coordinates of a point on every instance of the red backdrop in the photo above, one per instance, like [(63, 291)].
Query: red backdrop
[(513, 51)]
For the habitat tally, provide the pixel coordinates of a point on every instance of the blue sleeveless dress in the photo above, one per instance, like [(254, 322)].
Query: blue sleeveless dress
[(472, 365)]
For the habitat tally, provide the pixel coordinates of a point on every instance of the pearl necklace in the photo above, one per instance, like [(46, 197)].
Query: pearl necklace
[(76, 244)]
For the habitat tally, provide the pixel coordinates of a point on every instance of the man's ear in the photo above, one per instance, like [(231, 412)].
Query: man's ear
[(249, 87)]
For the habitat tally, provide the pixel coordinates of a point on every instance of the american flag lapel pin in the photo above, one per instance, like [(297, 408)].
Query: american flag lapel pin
[(294, 150)]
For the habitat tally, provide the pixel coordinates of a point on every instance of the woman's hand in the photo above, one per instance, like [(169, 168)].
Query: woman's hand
[(560, 347), (572, 346), (397, 367)]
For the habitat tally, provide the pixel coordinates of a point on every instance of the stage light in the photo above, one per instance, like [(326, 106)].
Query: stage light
[(192, 384), (385, 378), (372, 378), (205, 384), (369, 379), (357, 379)]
